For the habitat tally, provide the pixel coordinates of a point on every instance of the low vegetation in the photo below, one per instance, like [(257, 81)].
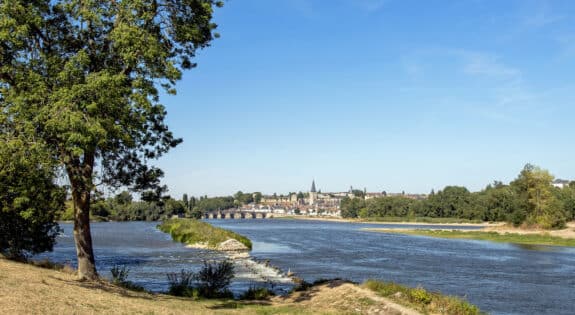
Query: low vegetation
[(210, 282), (420, 220), (257, 293), (421, 299), (120, 278), (190, 231), (528, 239)]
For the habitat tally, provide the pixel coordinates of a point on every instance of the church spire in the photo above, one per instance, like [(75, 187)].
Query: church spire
[(313, 186)]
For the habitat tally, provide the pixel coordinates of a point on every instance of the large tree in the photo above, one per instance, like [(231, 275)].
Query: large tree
[(540, 206), (85, 74)]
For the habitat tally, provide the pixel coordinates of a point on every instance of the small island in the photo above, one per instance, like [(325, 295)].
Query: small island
[(198, 234)]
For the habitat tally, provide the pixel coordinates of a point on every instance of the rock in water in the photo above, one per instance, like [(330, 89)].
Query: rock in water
[(232, 245)]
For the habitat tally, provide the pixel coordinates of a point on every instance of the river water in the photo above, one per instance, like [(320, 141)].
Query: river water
[(499, 278)]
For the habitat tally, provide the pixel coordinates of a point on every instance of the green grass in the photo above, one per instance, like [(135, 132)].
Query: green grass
[(528, 239), (419, 220), (190, 231), (421, 299)]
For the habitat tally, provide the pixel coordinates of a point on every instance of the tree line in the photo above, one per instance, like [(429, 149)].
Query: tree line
[(123, 207), (529, 200)]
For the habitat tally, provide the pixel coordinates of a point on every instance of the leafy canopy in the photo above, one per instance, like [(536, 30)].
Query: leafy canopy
[(84, 75)]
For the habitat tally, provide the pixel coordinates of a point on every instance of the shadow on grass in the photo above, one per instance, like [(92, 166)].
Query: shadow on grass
[(238, 304), (107, 287)]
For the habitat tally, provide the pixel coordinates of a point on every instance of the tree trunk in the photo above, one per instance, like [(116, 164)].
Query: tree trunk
[(83, 236), (80, 175)]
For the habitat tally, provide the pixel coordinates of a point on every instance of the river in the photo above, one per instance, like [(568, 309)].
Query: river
[(499, 278)]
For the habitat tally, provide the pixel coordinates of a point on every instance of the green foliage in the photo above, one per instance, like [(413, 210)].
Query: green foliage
[(181, 284), (215, 278), (255, 293), (350, 207), (30, 199), (420, 295), (211, 281), (421, 299), (541, 207), (529, 200), (83, 78), (191, 231), (120, 278)]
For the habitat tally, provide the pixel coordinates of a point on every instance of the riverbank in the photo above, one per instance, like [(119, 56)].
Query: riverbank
[(424, 222), (27, 289), (501, 234)]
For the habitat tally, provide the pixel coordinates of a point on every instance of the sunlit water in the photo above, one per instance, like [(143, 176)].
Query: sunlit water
[(499, 278)]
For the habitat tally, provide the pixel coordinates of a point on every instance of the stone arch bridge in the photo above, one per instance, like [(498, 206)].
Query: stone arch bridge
[(241, 214)]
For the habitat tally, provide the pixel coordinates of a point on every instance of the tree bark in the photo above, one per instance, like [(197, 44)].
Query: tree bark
[(80, 175), (83, 236)]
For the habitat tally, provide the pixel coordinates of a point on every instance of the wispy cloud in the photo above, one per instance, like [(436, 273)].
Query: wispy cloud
[(540, 16), (485, 64)]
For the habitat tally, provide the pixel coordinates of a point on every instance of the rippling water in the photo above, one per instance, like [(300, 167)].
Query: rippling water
[(499, 278)]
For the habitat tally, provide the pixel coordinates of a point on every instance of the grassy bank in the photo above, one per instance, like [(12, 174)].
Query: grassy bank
[(528, 239), (192, 232), (422, 300)]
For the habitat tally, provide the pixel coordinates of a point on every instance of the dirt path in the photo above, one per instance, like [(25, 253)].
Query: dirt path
[(341, 297)]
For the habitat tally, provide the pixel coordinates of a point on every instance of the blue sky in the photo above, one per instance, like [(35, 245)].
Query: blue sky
[(384, 94)]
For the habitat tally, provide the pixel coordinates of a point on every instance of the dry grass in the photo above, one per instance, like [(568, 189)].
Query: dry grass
[(26, 289)]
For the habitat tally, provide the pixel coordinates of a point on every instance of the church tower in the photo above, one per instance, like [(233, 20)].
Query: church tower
[(312, 193)]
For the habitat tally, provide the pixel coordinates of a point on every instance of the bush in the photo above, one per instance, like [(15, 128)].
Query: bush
[(212, 281), (181, 284), (120, 278), (215, 278), (420, 295)]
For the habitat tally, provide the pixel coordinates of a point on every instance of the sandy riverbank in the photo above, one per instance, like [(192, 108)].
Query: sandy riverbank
[(568, 232), (336, 219)]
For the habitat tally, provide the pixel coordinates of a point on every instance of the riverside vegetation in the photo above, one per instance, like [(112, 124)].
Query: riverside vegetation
[(530, 201), (527, 239)]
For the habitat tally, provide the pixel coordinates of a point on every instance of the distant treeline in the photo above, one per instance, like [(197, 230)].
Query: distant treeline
[(122, 207), (529, 200)]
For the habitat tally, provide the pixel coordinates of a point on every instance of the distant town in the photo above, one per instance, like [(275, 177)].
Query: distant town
[(315, 202)]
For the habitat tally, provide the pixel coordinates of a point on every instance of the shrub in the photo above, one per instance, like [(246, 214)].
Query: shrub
[(212, 281), (420, 295), (181, 284), (215, 278), (120, 278)]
